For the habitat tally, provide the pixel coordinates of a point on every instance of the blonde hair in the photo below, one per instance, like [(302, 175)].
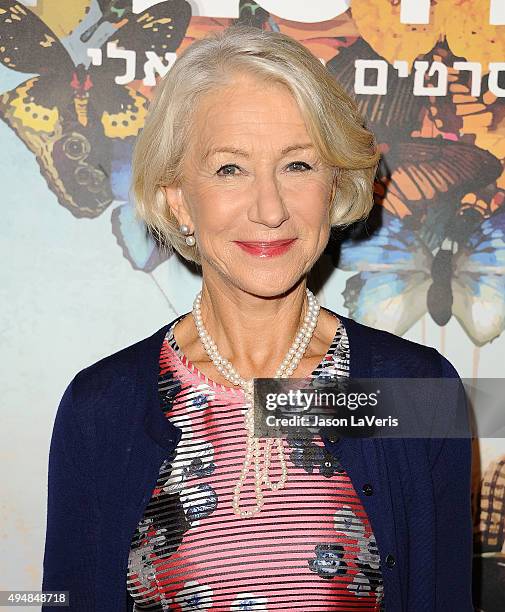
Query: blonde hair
[(332, 119)]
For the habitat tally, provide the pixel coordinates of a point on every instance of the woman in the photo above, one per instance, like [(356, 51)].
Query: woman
[(160, 496)]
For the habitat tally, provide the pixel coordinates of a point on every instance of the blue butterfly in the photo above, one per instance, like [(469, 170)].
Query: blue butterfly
[(137, 244), (400, 278)]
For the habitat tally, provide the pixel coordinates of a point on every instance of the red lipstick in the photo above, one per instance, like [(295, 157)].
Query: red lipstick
[(266, 249)]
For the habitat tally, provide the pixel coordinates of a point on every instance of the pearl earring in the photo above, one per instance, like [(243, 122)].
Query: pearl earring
[(184, 229)]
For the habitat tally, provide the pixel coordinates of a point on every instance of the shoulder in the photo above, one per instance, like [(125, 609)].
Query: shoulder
[(120, 369), (114, 388), (397, 355)]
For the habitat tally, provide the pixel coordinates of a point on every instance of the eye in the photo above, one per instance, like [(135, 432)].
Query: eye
[(300, 163), (224, 168)]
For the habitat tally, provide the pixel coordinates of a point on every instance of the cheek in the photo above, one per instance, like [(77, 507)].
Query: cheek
[(317, 191), (314, 211), (216, 220), (211, 208)]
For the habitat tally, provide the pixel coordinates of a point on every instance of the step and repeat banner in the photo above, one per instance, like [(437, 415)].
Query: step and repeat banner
[(82, 278)]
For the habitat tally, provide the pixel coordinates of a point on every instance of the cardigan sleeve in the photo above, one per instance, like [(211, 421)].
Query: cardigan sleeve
[(451, 474), (71, 533)]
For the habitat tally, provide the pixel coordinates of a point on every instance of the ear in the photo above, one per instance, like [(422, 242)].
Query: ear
[(175, 201), (334, 183)]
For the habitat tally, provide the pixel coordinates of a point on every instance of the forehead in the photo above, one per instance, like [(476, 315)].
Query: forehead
[(248, 109)]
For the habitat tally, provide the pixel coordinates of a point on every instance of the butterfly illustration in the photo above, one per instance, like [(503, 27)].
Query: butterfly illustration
[(80, 124), (418, 174), (400, 278), (422, 184), (392, 115), (70, 114)]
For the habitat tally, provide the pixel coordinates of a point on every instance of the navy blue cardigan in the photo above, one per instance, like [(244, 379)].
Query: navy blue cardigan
[(110, 438)]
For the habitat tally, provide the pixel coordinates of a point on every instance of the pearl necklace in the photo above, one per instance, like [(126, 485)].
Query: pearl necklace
[(287, 367)]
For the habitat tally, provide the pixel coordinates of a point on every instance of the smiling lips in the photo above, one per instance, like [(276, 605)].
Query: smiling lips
[(266, 249)]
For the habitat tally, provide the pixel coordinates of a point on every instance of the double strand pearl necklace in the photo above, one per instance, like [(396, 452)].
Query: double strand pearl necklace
[(287, 367)]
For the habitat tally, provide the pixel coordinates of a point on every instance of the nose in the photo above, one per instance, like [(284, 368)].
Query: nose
[(268, 206)]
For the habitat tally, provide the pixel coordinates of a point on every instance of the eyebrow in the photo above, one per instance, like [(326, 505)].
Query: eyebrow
[(235, 151)]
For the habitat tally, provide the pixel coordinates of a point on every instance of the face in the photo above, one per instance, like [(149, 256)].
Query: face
[(252, 174)]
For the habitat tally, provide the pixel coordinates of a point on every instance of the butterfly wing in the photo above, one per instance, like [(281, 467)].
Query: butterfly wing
[(379, 23), (391, 245), (27, 44), (75, 161), (392, 115), (137, 244), (160, 29), (391, 301), (121, 109), (390, 290), (73, 158), (429, 177), (479, 281)]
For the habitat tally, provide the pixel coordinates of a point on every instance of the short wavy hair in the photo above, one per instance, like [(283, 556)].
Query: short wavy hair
[(331, 115)]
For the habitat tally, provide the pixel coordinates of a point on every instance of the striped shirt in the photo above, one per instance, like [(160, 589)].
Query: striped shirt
[(311, 547)]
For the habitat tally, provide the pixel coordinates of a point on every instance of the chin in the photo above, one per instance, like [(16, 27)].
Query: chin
[(270, 286)]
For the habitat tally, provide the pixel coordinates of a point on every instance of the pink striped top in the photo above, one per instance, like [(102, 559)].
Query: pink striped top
[(310, 548)]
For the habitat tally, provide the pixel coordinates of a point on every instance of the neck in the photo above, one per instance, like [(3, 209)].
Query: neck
[(252, 332)]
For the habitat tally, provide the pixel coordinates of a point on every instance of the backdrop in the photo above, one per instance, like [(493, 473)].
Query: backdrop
[(82, 279)]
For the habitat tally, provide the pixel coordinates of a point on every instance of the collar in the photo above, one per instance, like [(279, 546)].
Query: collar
[(168, 435)]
